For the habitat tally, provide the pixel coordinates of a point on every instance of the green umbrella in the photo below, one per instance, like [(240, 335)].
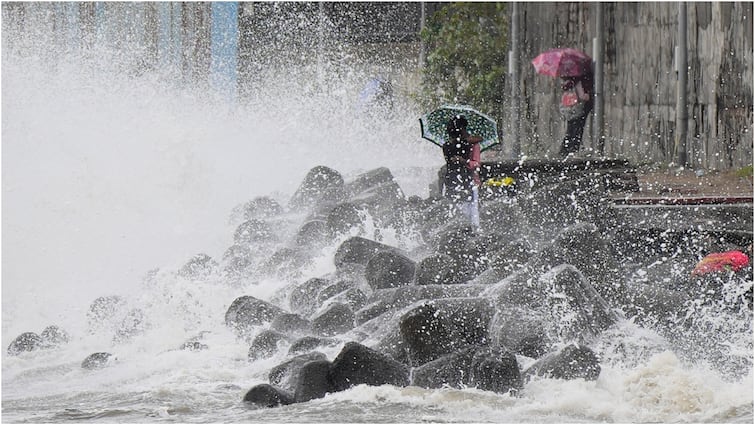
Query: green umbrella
[(433, 125)]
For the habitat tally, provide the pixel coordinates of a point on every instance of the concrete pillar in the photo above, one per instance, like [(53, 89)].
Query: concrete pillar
[(320, 42), (680, 143), (224, 47), (599, 58), (516, 147), (422, 22)]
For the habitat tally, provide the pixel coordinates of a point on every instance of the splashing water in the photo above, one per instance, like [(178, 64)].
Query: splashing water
[(112, 179), (108, 175)]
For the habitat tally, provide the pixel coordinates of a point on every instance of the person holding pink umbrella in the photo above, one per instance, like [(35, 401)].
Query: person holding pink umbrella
[(576, 105), (574, 68)]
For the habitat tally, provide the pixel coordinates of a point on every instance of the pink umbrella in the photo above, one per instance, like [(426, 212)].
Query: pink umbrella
[(566, 62)]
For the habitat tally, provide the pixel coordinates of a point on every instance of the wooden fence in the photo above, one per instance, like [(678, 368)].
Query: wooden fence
[(640, 80)]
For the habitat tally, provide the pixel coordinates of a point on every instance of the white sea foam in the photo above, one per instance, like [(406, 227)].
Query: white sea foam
[(108, 175), (661, 390)]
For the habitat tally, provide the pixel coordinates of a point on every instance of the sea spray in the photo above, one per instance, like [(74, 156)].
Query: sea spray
[(109, 174), (114, 176)]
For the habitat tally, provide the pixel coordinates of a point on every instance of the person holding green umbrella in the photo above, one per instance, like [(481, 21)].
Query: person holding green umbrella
[(449, 127), (461, 179)]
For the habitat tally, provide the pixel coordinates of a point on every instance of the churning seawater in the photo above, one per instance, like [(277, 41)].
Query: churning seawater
[(112, 180)]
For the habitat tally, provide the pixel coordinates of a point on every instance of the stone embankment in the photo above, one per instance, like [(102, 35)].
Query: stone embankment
[(555, 266)]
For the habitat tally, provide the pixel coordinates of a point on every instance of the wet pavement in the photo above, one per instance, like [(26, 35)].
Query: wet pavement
[(689, 183)]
